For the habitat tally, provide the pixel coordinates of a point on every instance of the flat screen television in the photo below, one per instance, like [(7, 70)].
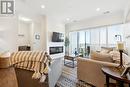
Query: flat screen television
[(57, 37)]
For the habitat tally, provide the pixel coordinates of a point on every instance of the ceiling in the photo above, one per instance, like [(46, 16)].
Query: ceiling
[(73, 9)]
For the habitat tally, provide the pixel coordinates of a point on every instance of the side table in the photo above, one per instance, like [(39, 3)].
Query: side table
[(114, 73)]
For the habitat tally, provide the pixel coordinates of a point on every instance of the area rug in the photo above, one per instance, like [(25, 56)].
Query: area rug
[(69, 79)]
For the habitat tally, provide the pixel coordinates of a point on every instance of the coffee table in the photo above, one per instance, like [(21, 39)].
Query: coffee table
[(72, 59), (114, 73)]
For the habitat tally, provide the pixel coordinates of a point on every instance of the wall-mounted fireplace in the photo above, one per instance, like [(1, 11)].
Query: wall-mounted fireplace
[(56, 50)]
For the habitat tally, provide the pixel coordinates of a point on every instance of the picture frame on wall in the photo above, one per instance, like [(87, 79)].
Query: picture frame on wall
[(37, 37)]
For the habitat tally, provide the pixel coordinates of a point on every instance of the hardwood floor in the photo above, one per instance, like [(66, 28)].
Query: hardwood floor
[(69, 78)]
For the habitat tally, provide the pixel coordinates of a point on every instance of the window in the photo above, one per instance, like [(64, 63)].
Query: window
[(87, 36), (103, 36), (97, 37), (81, 39), (73, 36)]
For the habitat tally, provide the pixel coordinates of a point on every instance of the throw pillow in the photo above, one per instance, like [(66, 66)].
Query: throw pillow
[(116, 57), (101, 56), (126, 59), (106, 49)]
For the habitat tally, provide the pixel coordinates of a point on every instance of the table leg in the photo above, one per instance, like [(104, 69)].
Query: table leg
[(129, 85), (107, 81)]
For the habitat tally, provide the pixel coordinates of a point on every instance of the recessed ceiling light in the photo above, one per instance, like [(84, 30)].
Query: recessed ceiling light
[(98, 9), (42, 6), (67, 19)]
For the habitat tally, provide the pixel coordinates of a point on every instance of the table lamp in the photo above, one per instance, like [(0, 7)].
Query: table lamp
[(120, 47)]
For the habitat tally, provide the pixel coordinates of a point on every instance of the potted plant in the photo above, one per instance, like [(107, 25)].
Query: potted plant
[(67, 42)]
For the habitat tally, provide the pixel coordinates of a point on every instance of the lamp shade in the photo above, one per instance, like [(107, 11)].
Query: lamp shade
[(120, 46)]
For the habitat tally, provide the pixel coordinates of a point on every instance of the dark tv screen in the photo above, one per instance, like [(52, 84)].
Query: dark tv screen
[(57, 37)]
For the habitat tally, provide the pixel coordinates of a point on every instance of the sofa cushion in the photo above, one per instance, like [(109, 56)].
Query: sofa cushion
[(101, 56)]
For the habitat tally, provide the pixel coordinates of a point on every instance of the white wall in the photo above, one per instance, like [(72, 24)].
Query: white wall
[(128, 17), (56, 71), (24, 33), (8, 33), (127, 36), (102, 20), (53, 25), (38, 27)]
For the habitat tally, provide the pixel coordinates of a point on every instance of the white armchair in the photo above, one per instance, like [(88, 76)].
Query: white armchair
[(89, 70)]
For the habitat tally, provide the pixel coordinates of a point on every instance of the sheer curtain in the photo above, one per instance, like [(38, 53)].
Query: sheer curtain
[(103, 36), (96, 37), (112, 31), (73, 37), (81, 41)]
